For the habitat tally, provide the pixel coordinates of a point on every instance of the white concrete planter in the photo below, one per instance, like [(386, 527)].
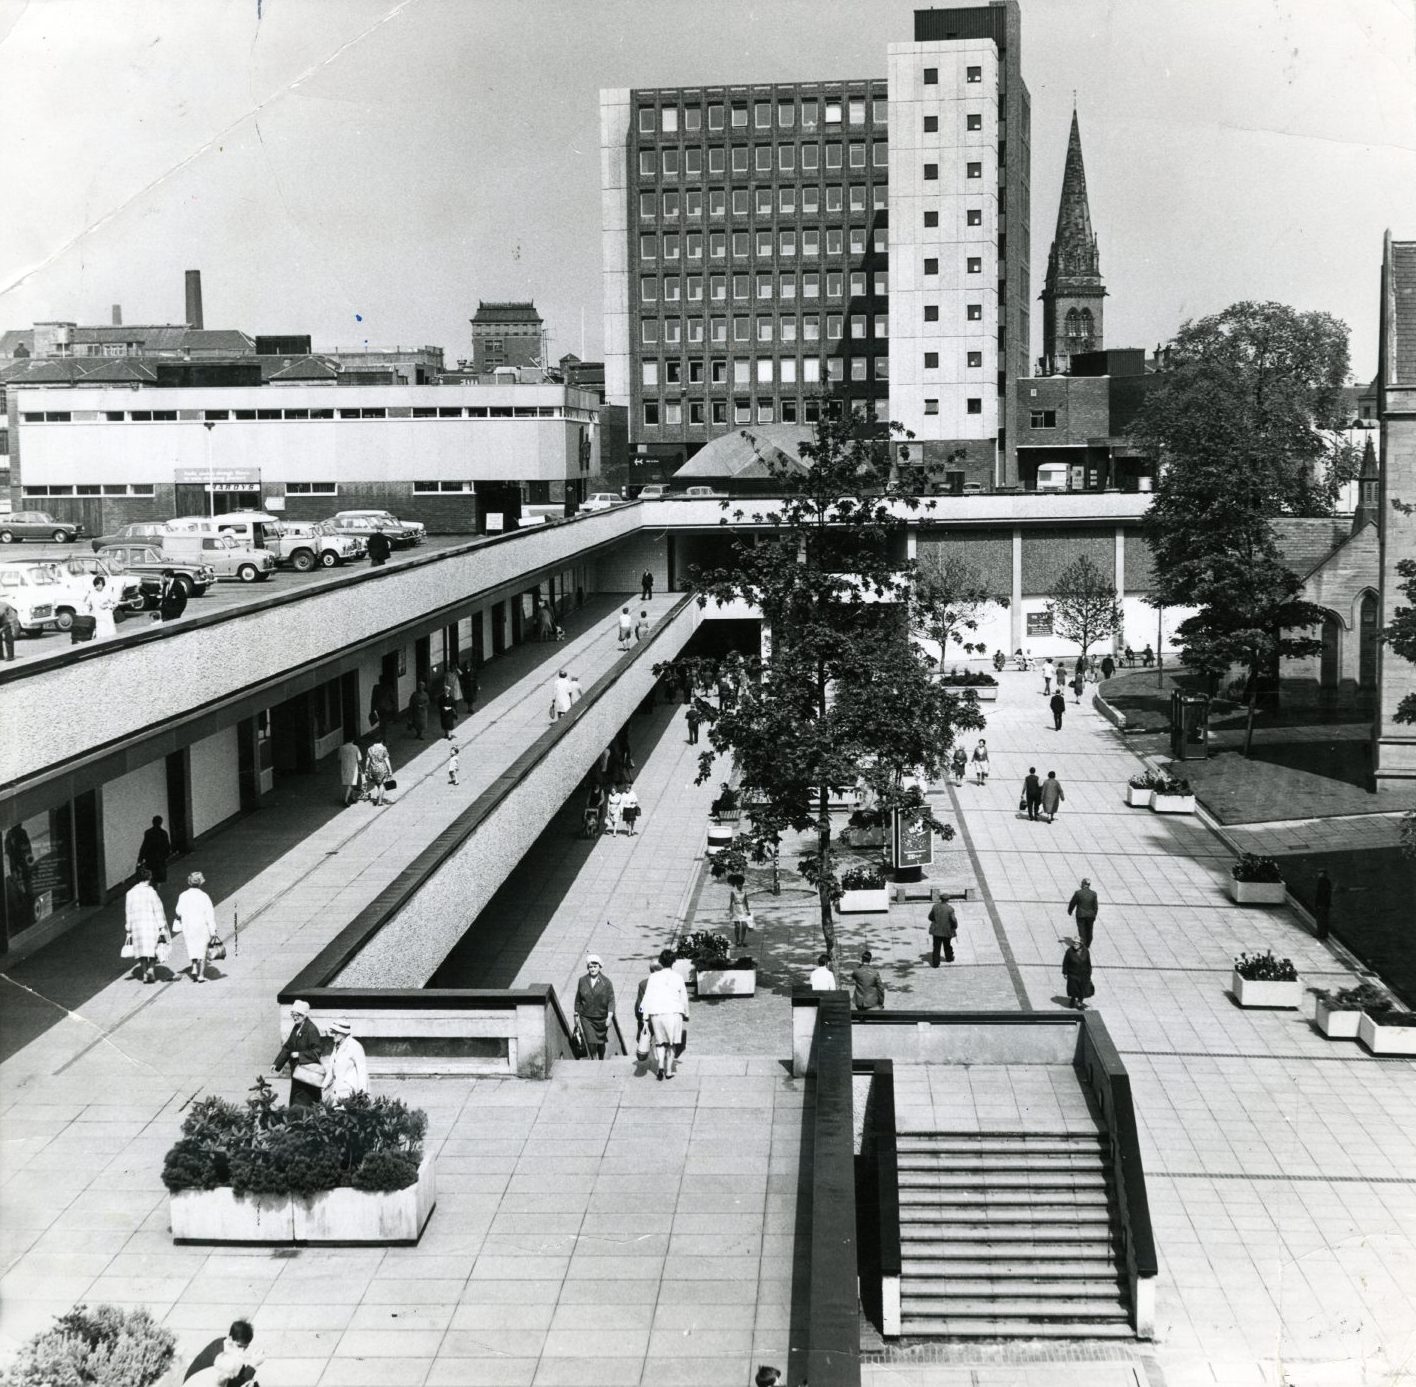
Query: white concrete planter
[(1285, 996), (1139, 798), (865, 902), (987, 693), (727, 982), (720, 836), (342, 1216), (863, 837), (1386, 1040), (1258, 892), (1172, 804), (1337, 1025)]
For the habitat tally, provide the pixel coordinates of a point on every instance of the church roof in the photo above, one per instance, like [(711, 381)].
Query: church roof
[(1307, 541), (1074, 256)]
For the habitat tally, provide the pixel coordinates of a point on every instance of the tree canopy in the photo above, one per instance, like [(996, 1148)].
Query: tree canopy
[(950, 597), (1083, 604)]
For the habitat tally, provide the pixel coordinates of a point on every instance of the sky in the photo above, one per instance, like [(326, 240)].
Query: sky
[(365, 172)]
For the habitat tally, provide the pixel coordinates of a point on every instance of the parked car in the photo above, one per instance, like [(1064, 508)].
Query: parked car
[(305, 544), (655, 491), (600, 500), (388, 520), (150, 531), (226, 555), (702, 493), (363, 525), (146, 559), (132, 589), (42, 594), (37, 524)]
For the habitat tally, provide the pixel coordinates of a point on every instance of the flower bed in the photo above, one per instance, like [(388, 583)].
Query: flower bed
[(1256, 880), (348, 1172), (983, 686), (1140, 789), (1171, 796), (1261, 980), (863, 892), (715, 973), (1339, 1013)]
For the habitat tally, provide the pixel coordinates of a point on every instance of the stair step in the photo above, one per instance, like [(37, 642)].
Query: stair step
[(970, 1160), (1001, 1290), (1061, 1211), (982, 1327), (954, 1141), (1059, 1196), (1056, 1269), (1037, 1308), (930, 1177), (1010, 1251), (976, 1241), (943, 1254)]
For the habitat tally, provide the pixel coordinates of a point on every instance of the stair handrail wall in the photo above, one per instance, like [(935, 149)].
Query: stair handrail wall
[(879, 1188), (1099, 1065)]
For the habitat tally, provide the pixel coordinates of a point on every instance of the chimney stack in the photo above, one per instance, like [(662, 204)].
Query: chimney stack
[(194, 298), (117, 315)]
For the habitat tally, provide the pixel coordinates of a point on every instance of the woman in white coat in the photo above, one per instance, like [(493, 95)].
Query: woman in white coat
[(99, 603), (665, 1007), (346, 1069), (196, 918)]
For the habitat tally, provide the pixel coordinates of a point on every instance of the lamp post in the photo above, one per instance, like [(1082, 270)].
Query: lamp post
[(209, 425)]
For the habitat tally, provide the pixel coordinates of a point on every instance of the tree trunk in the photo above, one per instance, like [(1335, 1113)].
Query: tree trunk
[(823, 858), (1249, 719)]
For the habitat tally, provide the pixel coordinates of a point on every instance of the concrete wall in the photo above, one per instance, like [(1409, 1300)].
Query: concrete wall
[(129, 804), (215, 778), (408, 949)]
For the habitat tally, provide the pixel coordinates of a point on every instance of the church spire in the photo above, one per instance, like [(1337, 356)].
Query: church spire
[(1073, 289)]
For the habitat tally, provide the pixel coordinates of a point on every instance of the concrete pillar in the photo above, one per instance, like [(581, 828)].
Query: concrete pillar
[(1120, 575), (1019, 626)]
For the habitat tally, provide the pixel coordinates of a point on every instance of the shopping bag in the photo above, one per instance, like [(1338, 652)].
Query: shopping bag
[(643, 1044), (577, 1043), (215, 949), (164, 951), (749, 921), (312, 1074), (390, 784), (128, 951)]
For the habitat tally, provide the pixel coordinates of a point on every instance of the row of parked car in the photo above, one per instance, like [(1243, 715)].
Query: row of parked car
[(240, 546)]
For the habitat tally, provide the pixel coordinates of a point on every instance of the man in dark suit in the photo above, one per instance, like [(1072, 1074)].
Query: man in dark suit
[(380, 547), (1084, 905), (155, 850), (172, 600), (1032, 793), (869, 985), (228, 1362)]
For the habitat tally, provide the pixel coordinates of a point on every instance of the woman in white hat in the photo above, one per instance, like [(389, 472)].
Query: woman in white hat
[(302, 1051), (346, 1070), (594, 1005), (196, 918)]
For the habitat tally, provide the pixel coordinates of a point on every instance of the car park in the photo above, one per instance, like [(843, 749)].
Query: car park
[(148, 560), (224, 553), (363, 526), (387, 520), (600, 500), (44, 596), (146, 531), (310, 544), (37, 524)]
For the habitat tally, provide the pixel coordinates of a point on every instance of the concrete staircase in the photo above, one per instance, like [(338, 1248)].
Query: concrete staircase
[(1009, 1235)]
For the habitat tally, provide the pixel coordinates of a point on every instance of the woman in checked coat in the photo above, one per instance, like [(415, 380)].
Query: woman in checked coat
[(146, 922)]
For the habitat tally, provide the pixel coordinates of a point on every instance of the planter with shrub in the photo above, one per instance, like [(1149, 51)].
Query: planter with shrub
[(1172, 796), (1261, 980), (984, 686), (348, 1172), (1389, 1032), (1338, 1013), (863, 892), (1140, 789), (715, 973), (1256, 880), (865, 829), (104, 1346)]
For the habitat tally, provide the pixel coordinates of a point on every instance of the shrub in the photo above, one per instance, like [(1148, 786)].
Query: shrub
[(102, 1347), (704, 947), (1365, 996), (1392, 1017), (264, 1149), (716, 964), (1145, 780), (865, 819), (382, 1172), (1265, 967), (870, 877), (1252, 867), (967, 679), (1170, 785)]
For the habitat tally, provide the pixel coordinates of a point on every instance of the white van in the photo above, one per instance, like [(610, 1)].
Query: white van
[(251, 529), (1053, 476), (227, 548)]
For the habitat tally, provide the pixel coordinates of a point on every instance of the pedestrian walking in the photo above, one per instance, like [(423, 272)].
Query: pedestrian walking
[(563, 694), (665, 1008), (594, 1005), (350, 758), (228, 1362), (10, 630), (592, 816), (739, 909), (383, 705), (613, 803), (822, 978), (146, 924), (171, 598), (154, 851), (693, 718), (346, 1069), (453, 764), (1108, 666), (1322, 904), (960, 765), (1078, 684), (1061, 674), (625, 628), (943, 926), (195, 916), (469, 684), (545, 623), (303, 1051), (1032, 793), (447, 714), (630, 809), (99, 603), (380, 547), (869, 994), (767, 1376), (641, 629), (1084, 905), (377, 770), (1049, 673), (418, 712), (646, 586), (1052, 795), (1058, 704), (980, 762), (1077, 970)]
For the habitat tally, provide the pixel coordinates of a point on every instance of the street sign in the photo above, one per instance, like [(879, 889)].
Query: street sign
[(912, 841), (200, 476)]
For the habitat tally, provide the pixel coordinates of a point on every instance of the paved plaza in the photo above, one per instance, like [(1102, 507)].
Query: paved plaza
[(604, 1228)]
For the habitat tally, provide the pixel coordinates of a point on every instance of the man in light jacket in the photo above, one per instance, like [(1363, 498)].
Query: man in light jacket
[(346, 1069), (665, 1007)]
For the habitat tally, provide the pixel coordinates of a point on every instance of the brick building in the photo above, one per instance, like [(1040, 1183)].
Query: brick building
[(765, 244), (506, 334)]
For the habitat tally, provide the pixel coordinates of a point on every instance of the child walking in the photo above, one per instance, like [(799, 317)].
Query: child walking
[(452, 765)]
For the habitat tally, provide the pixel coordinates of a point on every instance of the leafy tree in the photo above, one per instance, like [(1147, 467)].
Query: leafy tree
[(950, 597), (1239, 422), (843, 694), (1401, 637), (1083, 605), (103, 1347)]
